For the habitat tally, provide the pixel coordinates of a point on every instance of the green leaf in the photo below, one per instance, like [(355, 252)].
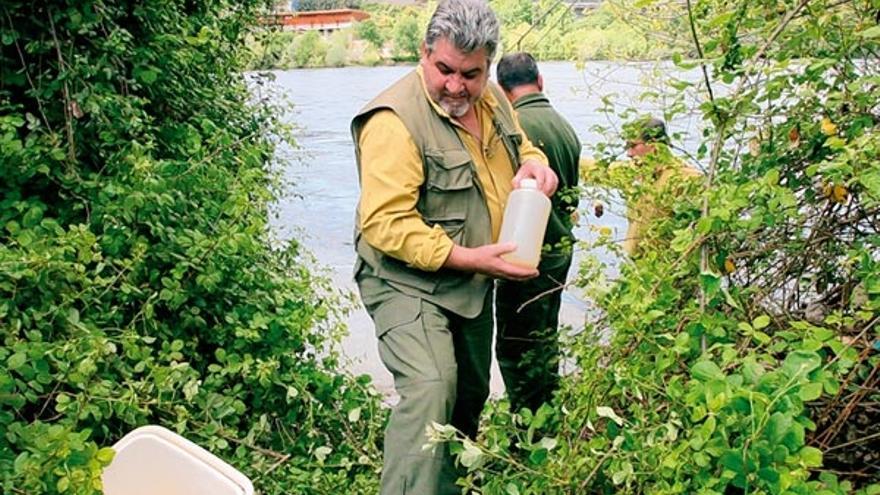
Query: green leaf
[(769, 475), (708, 427), (707, 370), (653, 315), (105, 455), (835, 143), (471, 456), (810, 391), (621, 475), (16, 360), (538, 456), (704, 225), (607, 412), (823, 334), (322, 452), (20, 462), (292, 393), (800, 363), (794, 437), (728, 298), (871, 32), (548, 443), (733, 460), (710, 282), (32, 217), (777, 427), (830, 385), (811, 456), (146, 75), (73, 316), (761, 322)]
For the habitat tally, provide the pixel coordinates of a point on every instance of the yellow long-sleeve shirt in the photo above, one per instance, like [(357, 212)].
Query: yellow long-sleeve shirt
[(645, 211), (392, 173)]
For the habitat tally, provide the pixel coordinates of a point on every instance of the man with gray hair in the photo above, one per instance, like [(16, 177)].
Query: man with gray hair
[(438, 152)]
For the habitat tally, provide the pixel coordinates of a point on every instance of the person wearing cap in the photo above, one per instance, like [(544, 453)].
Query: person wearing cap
[(438, 152), (527, 312), (647, 146)]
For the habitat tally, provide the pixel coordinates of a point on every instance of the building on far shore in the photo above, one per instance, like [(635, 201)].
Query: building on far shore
[(325, 21)]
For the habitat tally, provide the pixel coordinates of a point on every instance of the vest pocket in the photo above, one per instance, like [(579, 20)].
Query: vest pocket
[(454, 227), (449, 188), (448, 170)]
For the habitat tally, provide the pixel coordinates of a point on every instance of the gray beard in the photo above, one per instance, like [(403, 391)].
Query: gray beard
[(455, 110)]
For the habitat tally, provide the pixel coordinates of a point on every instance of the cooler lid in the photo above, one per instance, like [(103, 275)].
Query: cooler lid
[(152, 460)]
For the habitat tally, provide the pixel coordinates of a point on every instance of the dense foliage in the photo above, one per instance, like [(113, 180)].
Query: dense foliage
[(614, 30), (549, 29), (137, 279), (739, 352)]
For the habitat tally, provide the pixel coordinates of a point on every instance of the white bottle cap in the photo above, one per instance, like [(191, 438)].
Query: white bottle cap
[(528, 184)]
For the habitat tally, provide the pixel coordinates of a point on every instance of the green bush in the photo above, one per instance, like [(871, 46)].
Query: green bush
[(370, 56), (307, 50), (617, 42), (337, 52), (369, 31), (138, 284), (514, 12), (268, 49), (739, 352), (408, 36)]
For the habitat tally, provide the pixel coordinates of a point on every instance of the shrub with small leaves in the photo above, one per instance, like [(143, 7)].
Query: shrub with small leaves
[(737, 351), (138, 282)]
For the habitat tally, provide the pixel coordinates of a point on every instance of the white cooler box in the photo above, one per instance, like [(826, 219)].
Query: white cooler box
[(152, 460)]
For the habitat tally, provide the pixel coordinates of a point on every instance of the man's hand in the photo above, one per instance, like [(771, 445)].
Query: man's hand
[(487, 260), (544, 175)]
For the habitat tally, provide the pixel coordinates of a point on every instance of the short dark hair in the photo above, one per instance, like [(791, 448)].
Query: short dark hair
[(647, 130), (517, 69)]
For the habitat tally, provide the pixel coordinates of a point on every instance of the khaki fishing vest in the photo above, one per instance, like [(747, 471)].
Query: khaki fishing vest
[(451, 195)]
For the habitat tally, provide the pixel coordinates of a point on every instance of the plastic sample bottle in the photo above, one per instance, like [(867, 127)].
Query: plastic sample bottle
[(524, 222)]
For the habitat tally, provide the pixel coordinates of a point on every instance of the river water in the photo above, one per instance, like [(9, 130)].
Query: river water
[(319, 208)]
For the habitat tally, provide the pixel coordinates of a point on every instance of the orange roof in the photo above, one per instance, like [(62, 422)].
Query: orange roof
[(336, 16)]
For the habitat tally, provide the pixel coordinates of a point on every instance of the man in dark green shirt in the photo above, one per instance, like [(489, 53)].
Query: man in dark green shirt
[(527, 313)]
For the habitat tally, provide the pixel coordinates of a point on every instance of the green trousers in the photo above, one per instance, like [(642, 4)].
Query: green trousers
[(440, 363), (527, 345)]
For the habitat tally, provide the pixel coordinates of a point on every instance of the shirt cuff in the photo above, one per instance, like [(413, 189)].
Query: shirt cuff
[(434, 256)]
